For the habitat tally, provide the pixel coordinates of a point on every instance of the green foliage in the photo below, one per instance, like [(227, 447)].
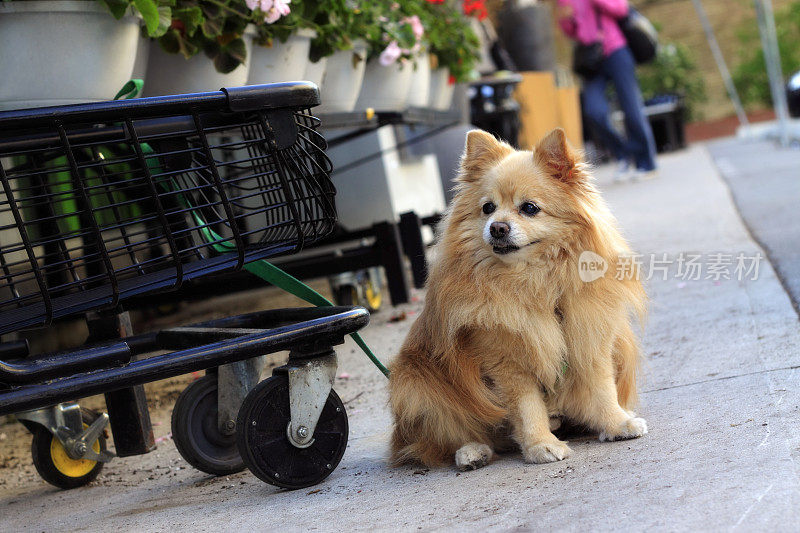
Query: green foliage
[(157, 14), (338, 24), (750, 75), (674, 71), (216, 28), (385, 21), (451, 39)]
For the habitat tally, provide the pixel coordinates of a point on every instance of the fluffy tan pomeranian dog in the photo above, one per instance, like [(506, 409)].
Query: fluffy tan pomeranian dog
[(521, 323)]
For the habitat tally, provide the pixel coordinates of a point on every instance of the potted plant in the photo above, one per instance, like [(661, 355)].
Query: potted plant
[(74, 51), (392, 44), (207, 46), (337, 56), (283, 42), (420, 85), (453, 47)]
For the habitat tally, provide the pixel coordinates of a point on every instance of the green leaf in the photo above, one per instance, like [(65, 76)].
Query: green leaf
[(211, 48), (169, 42), (225, 63), (173, 43), (192, 18), (211, 27), (164, 20), (149, 12), (237, 49), (116, 7)]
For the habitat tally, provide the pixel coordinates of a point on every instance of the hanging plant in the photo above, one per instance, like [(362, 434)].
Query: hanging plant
[(395, 33), (275, 19), (338, 23), (216, 28)]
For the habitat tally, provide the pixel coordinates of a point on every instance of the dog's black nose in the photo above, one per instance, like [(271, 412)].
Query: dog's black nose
[(499, 230)]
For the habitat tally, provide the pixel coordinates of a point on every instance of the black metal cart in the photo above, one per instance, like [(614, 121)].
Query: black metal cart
[(113, 200)]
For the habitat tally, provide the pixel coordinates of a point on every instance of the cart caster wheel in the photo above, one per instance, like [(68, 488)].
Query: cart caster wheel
[(372, 296), (265, 447), (196, 432), (55, 466), (366, 295), (345, 295)]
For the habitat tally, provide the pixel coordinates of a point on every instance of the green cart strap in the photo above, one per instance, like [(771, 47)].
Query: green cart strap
[(275, 276), (130, 90)]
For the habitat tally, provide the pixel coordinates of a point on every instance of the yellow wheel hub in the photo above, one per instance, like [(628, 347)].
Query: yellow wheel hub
[(68, 466), (374, 298)]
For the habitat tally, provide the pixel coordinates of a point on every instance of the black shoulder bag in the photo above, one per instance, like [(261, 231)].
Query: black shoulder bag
[(642, 37), (587, 58)]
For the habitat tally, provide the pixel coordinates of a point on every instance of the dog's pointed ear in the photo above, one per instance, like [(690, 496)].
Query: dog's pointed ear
[(481, 152), (555, 156)]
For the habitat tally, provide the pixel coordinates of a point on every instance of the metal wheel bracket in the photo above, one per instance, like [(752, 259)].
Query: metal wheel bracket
[(310, 383), (234, 381), (65, 423)]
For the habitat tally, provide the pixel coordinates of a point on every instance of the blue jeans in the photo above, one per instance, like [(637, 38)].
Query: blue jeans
[(620, 69)]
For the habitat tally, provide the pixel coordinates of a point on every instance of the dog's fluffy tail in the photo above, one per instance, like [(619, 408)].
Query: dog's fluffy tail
[(626, 357), (437, 408)]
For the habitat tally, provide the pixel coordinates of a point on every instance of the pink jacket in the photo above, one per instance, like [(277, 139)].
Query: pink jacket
[(583, 25)]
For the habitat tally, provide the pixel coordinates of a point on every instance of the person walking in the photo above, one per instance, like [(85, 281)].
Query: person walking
[(591, 21)]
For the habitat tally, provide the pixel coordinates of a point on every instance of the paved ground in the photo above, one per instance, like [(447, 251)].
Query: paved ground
[(765, 182), (721, 393)]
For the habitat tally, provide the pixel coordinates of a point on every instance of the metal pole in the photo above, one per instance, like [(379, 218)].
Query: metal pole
[(721, 65), (772, 58)]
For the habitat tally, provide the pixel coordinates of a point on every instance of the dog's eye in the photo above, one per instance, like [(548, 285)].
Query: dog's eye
[(488, 208), (529, 208)]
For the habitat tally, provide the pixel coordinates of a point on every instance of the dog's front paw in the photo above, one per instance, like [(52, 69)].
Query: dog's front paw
[(546, 452), (472, 456), (630, 429)]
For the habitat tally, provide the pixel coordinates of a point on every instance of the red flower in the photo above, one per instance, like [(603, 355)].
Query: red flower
[(475, 8)]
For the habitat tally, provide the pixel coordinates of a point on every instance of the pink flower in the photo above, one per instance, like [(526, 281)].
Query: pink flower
[(272, 9), (280, 8), (416, 26), (390, 54)]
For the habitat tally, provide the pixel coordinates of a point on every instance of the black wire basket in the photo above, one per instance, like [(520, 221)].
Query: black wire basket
[(101, 202)]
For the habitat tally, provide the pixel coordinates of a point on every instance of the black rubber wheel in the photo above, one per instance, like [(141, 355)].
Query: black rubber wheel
[(265, 447), (196, 433), (345, 295), (55, 466)]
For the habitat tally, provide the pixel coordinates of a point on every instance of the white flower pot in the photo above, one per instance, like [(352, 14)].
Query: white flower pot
[(441, 93), (420, 86), (316, 71), (63, 52), (281, 61), (142, 55), (341, 83), (174, 74), (385, 88)]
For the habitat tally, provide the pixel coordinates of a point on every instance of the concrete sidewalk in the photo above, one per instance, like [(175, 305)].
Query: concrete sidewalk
[(721, 393)]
